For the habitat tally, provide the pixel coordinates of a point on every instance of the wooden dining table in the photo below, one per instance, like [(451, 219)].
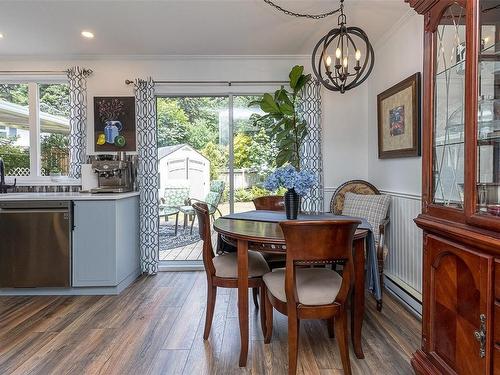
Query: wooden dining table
[(267, 237)]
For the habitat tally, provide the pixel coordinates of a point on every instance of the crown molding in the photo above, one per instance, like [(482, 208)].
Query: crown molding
[(395, 28), (99, 57)]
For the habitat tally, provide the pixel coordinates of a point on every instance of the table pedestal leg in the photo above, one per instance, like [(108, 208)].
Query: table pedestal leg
[(358, 297), (243, 299)]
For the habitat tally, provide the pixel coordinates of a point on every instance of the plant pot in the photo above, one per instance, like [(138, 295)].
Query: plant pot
[(292, 204)]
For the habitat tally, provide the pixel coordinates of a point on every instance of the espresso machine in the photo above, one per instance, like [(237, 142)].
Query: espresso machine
[(114, 176)]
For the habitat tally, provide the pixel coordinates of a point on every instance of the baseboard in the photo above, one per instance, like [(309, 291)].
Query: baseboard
[(409, 301)]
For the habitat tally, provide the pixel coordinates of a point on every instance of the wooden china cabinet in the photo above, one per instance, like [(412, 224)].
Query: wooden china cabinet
[(461, 187)]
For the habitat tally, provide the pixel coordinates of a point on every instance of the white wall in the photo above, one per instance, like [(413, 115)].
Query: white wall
[(397, 57), (345, 136)]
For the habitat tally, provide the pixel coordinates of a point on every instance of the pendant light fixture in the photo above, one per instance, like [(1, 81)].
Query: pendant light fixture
[(343, 58)]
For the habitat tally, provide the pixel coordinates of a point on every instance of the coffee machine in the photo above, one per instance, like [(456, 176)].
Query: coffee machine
[(114, 176)]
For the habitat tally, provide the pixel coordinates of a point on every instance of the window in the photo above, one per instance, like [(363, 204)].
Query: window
[(34, 128)]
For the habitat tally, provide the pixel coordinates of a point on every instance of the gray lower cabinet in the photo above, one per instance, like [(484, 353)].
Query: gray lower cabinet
[(105, 241)]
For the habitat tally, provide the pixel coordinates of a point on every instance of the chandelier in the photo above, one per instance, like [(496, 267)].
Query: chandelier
[(343, 58)]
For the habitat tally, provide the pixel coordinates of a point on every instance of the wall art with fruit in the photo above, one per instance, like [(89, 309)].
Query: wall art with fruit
[(114, 123)]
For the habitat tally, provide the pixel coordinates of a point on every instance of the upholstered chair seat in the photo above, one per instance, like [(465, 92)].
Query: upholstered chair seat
[(315, 286), (226, 265)]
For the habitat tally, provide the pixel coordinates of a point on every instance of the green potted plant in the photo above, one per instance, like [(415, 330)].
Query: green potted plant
[(288, 129)]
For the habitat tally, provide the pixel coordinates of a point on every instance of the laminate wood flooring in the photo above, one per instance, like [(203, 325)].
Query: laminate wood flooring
[(156, 326)]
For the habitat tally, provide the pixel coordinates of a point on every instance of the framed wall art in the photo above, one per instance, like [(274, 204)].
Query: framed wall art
[(398, 110), (114, 123)]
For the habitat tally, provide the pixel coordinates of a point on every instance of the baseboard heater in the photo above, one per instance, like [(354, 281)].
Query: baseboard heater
[(411, 300)]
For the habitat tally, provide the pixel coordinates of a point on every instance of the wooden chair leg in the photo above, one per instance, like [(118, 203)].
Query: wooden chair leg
[(269, 316), (380, 260), (255, 294), (342, 339), (211, 297), (331, 327), (293, 343), (263, 321)]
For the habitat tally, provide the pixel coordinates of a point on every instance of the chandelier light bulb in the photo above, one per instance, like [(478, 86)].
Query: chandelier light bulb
[(345, 62), (358, 55), (338, 53), (328, 61)]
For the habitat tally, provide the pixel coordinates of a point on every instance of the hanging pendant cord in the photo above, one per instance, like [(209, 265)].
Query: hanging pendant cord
[(302, 15)]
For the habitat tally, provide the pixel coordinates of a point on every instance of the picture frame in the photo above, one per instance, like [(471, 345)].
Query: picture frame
[(114, 123), (399, 119)]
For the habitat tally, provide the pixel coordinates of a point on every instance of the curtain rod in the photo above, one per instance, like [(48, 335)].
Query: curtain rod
[(229, 83)]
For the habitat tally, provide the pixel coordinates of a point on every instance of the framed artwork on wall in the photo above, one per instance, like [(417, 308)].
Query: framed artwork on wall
[(114, 123), (398, 111)]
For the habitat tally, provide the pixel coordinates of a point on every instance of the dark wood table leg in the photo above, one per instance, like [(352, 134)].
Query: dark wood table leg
[(243, 299), (358, 297)]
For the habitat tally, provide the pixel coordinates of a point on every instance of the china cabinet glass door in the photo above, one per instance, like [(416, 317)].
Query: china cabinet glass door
[(488, 116), (449, 108)]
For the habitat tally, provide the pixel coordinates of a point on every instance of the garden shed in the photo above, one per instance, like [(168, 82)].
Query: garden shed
[(182, 165)]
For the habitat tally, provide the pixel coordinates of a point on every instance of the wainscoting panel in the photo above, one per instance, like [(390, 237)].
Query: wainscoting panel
[(403, 266), (404, 240)]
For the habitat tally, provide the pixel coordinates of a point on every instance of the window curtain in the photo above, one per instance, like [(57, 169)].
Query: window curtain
[(147, 174), (77, 78), (311, 154)]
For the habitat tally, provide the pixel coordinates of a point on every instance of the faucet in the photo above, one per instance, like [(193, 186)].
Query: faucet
[(3, 186)]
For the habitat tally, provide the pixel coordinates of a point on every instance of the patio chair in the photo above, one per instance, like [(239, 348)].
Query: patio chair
[(212, 200), (173, 198)]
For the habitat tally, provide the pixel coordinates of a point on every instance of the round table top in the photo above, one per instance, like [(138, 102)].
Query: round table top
[(259, 231)]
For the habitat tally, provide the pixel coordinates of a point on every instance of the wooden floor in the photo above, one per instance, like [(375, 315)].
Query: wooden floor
[(156, 327)]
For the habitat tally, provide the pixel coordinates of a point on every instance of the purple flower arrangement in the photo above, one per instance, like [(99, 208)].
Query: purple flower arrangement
[(289, 178)]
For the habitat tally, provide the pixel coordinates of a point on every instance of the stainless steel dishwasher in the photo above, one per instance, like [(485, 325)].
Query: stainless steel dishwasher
[(35, 244)]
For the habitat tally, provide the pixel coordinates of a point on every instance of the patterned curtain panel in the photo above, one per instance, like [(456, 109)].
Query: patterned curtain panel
[(147, 174), (311, 155), (77, 119)]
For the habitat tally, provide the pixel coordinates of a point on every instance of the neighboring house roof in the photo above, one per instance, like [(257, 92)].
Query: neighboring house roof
[(17, 116), (168, 150)]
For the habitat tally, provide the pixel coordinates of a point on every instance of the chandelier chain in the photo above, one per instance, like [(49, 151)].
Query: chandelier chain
[(304, 15)]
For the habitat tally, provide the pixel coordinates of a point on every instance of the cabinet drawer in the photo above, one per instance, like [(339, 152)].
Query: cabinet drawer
[(497, 279)]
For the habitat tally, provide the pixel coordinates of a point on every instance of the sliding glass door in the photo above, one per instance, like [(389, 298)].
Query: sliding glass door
[(210, 150)]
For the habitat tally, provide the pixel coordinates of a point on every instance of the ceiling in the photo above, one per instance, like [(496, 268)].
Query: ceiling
[(188, 27)]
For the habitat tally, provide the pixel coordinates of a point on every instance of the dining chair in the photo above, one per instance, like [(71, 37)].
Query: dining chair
[(222, 270), (312, 293), (271, 203)]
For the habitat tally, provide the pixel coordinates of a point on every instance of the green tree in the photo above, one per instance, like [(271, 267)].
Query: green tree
[(200, 134), (14, 93), (242, 150), (12, 155), (218, 157), (54, 152), (173, 123), (54, 99)]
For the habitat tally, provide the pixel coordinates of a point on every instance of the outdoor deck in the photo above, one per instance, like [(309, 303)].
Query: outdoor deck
[(192, 251)]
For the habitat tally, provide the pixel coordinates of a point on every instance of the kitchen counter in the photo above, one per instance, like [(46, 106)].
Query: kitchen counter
[(66, 196)]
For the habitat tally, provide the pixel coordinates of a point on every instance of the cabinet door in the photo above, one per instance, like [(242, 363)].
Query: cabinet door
[(94, 244), (457, 291)]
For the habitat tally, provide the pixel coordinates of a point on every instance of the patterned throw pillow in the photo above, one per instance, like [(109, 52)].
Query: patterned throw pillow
[(373, 208)]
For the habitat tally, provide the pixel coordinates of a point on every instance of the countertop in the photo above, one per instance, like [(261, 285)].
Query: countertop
[(65, 196)]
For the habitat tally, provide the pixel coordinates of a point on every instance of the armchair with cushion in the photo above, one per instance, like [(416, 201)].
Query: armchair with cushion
[(362, 199), (212, 201)]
